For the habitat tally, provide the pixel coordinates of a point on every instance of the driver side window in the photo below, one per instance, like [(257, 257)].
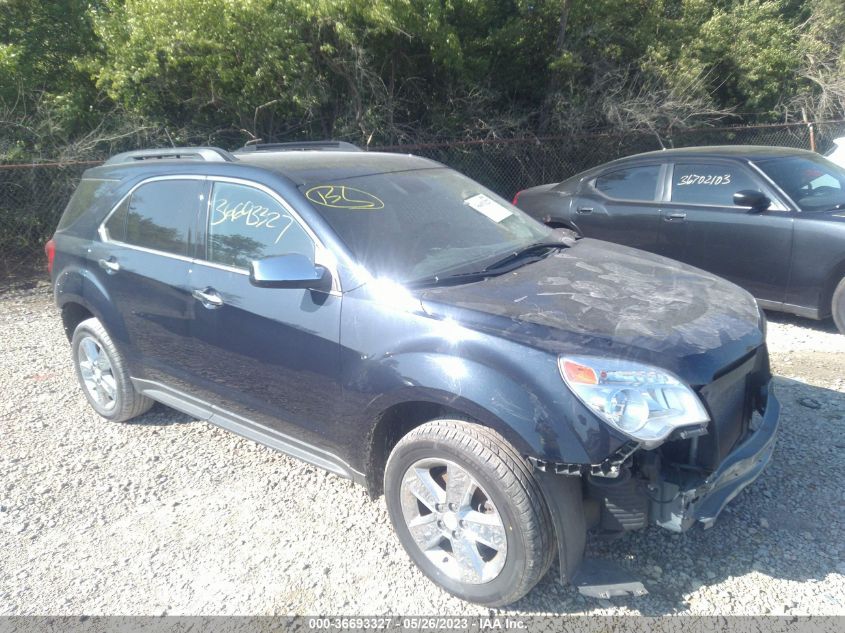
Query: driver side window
[(711, 184), (245, 224)]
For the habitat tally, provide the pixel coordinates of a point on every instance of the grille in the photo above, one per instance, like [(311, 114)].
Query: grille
[(730, 400)]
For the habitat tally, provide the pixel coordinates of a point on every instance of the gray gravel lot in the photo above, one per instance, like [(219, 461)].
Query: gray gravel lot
[(170, 515)]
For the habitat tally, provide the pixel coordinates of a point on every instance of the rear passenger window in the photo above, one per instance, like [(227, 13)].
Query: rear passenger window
[(711, 184), (159, 215), (245, 224), (634, 183)]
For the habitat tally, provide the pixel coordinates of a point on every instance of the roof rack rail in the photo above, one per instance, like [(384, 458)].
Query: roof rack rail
[(210, 154), (300, 146)]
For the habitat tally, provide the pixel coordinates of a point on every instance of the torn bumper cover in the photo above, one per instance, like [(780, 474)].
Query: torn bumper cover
[(703, 502)]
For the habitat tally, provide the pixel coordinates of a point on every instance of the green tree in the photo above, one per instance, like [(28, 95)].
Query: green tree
[(747, 51), (44, 89), (822, 45), (89, 75)]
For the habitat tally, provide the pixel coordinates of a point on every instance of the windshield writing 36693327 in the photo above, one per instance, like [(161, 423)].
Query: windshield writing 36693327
[(253, 215)]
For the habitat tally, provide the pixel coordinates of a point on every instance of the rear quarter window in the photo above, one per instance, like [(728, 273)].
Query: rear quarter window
[(90, 194)]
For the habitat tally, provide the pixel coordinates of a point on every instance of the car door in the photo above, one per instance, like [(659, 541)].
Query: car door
[(142, 264), (701, 226), (269, 355), (620, 205)]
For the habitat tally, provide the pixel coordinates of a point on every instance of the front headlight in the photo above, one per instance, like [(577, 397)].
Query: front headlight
[(645, 403)]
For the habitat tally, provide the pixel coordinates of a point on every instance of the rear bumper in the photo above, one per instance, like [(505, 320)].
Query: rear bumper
[(704, 501)]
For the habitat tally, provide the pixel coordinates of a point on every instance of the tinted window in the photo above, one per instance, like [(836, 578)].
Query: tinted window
[(245, 223), (635, 183), (814, 183), (161, 215), (414, 224), (87, 195), (714, 184)]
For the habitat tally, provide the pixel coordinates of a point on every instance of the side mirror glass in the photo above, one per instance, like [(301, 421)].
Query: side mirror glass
[(289, 271), (754, 200)]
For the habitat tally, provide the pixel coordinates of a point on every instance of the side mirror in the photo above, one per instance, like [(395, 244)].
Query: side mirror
[(755, 200), (289, 271)]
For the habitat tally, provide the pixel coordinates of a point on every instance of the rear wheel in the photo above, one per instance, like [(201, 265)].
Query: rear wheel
[(468, 511), (838, 306), (101, 371)]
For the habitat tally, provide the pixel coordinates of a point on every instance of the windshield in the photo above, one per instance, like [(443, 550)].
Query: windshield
[(813, 182), (415, 224)]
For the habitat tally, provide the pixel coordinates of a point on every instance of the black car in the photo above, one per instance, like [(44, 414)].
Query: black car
[(392, 321), (770, 219)]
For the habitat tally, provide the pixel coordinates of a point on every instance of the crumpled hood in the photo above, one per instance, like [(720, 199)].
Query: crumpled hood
[(605, 299)]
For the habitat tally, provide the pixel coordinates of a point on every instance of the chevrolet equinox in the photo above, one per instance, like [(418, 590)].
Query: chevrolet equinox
[(506, 386)]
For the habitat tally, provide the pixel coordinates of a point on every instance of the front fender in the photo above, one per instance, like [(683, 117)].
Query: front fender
[(536, 422)]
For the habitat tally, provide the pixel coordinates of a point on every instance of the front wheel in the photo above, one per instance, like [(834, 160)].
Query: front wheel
[(838, 306), (468, 511)]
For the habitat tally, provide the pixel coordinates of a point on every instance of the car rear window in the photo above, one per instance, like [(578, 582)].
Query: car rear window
[(634, 183), (90, 193)]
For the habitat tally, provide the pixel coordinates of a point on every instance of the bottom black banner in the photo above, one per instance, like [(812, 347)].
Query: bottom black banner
[(410, 624)]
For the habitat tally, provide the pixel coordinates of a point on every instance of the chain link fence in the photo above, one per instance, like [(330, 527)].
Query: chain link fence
[(32, 197), (509, 165)]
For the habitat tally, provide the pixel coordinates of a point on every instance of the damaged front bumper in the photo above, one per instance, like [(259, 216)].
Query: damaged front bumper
[(678, 508)]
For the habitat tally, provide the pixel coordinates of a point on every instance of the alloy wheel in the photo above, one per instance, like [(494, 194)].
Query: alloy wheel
[(453, 521), (96, 371)]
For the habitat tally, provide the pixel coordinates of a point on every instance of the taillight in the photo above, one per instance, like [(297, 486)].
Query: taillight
[(50, 251), (516, 197)]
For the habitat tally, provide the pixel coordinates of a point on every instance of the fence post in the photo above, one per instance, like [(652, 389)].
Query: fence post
[(811, 128)]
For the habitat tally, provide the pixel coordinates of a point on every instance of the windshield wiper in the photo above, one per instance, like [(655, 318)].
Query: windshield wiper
[(442, 280), (489, 271), (523, 252)]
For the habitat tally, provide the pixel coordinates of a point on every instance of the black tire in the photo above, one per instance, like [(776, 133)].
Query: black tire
[(126, 402), (506, 478), (838, 306)]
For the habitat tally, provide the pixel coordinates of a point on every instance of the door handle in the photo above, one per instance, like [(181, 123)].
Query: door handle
[(585, 210), (675, 215), (110, 265), (208, 297)]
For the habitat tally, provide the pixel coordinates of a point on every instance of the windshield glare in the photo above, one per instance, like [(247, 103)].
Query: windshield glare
[(813, 182), (416, 224)]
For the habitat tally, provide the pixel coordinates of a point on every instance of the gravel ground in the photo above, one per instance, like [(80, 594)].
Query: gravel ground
[(171, 515)]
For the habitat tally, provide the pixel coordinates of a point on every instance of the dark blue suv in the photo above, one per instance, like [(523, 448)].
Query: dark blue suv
[(506, 386)]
